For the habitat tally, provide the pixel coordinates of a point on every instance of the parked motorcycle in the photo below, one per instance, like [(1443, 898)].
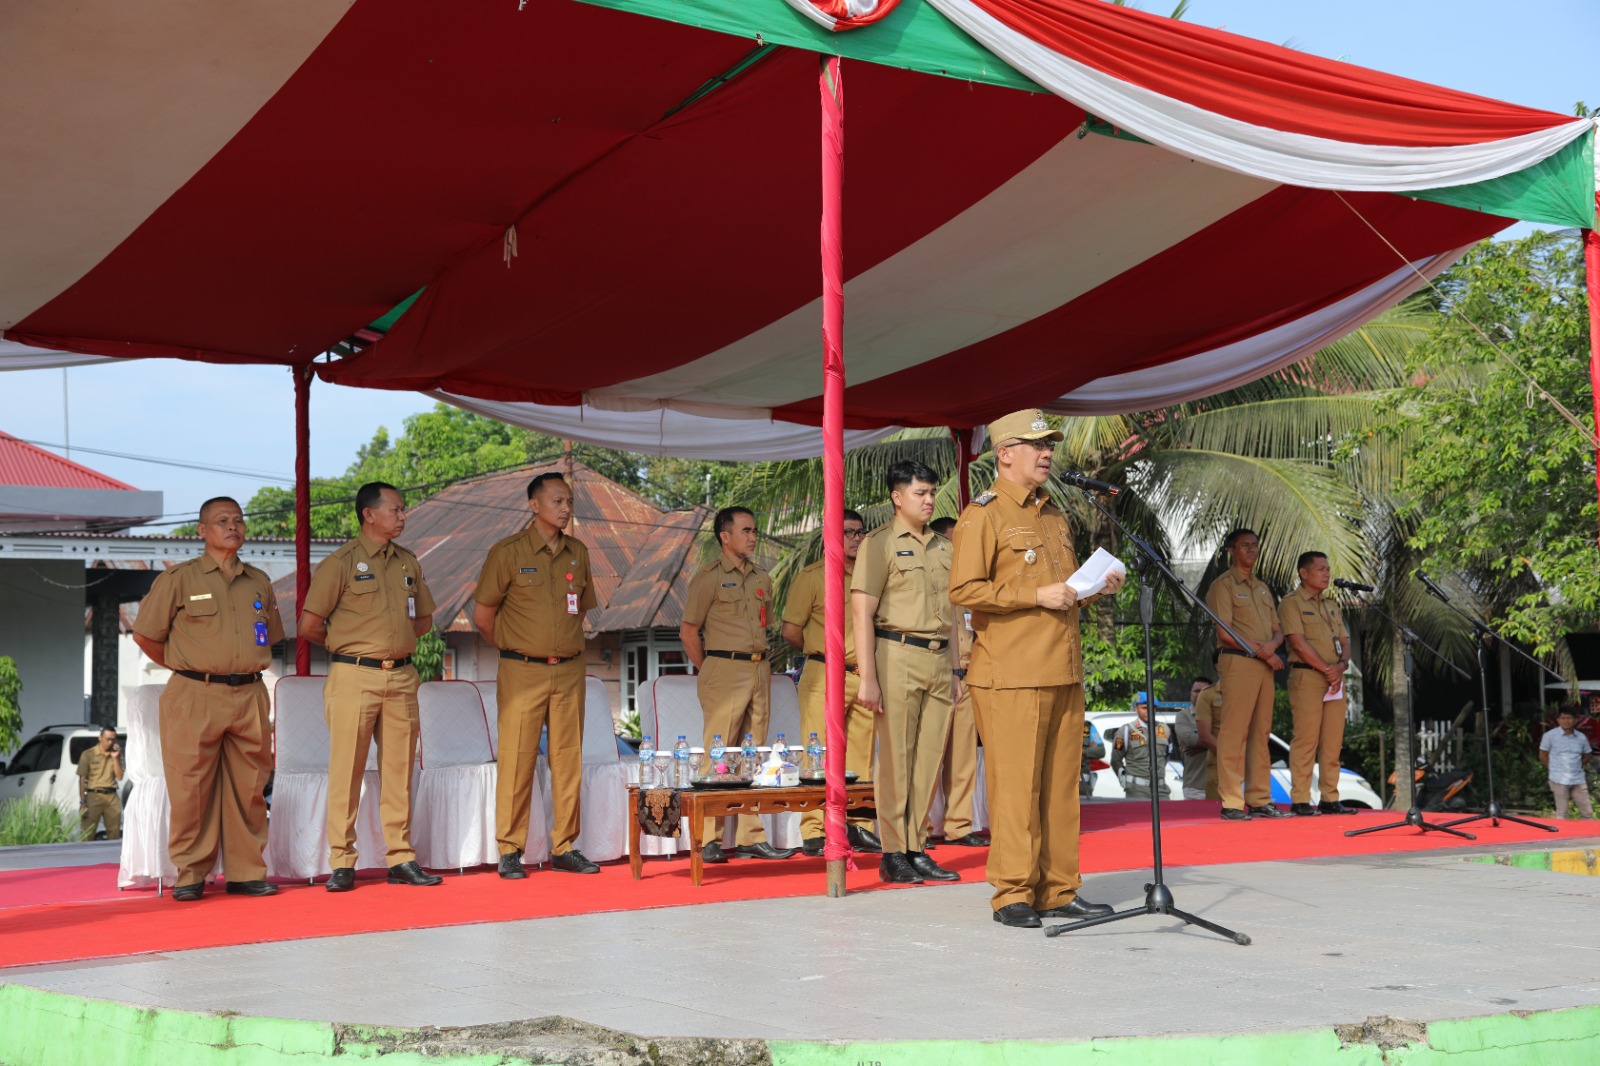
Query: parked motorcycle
[(1436, 790)]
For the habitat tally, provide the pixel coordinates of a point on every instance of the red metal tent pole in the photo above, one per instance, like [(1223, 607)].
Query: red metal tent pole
[(835, 849), (1591, 262), (963, 438), (302, 508)]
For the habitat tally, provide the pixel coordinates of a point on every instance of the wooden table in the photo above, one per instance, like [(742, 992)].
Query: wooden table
[(698, 804)]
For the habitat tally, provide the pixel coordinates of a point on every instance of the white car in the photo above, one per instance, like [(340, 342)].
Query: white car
[(1354, 790), (46, 767)]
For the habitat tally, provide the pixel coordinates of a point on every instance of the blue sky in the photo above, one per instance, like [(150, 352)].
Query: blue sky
[(242, 418)]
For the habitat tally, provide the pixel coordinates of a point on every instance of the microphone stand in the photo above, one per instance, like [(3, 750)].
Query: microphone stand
[(1486, 637), (1158, 898), (1413, 816)]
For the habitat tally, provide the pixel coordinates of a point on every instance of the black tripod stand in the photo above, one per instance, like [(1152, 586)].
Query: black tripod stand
[(1413, 816), (1158, 897), (1486, 637)]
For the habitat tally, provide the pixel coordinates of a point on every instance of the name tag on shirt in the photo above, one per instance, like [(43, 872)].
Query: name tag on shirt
[(261, 634), (730, 584), (366, 577), (200, 596), (411, 607), (528, 570), (572, 603), (906, 553)]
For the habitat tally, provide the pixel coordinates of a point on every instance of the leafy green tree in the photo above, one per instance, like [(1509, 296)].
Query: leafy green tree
[(10, 704), (429, 656)]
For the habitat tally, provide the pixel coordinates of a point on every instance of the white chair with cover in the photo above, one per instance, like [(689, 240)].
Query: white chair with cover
[(489, 692), (668, 705), (783, 830), (297, 832), (603, 795), (452, 798), (147, 817)]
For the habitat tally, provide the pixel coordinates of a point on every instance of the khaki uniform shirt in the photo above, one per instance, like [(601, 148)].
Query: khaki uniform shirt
[(1246, 604), (729, 603), (529, 582), (1005, 548), (910, 576), (806, 607), (97, 768), (1319, 620), (361, 590), (208, 623)]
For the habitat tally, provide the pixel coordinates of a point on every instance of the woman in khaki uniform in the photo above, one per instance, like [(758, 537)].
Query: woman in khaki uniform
[(1319, 651)]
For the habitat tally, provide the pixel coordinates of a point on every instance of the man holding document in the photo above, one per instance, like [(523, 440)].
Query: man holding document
[(1319, 651), (1012, 560)]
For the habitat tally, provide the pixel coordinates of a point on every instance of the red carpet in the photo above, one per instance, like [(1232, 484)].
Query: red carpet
[(76, 913)]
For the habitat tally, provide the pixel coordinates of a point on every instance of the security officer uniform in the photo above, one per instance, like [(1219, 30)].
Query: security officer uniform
[(909, 574), (729, 602), (216, 747), (1318, 724), (97, 780), (370, 596), (805, 608), (542, 590), (1130, 752), (960, 773), (1244, 763)]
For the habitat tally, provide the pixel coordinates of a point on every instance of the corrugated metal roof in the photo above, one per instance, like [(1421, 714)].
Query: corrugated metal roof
[(24, 464)]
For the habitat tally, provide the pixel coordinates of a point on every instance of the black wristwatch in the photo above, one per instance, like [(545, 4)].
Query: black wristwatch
[(960, 674)]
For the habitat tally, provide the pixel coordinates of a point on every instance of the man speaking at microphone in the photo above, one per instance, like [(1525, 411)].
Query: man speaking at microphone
[(1319, 651)]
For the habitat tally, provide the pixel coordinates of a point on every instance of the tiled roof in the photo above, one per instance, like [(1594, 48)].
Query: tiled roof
[(23, 464)]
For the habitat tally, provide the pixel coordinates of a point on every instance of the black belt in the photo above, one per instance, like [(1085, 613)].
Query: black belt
[(1303, 666), (849, 668), (548, 660), (371, 664), (110, 790), (1236, 651), (933, 644), (219, 679), (739, 656)]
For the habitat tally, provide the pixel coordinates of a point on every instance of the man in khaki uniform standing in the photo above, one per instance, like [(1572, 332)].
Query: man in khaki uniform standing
[(731, 597), (532, 595), (368, 605), (212, 621), (1197, 736), (959, 775), (1244, 762), (805, 627), (899, 594), (1319, 651), (99, 770), (1013, 554)]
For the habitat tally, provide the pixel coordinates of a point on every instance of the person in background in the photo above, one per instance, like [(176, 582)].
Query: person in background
[(99, 771), (1094, 747), (1130, 751), (959, 775), (1319, 652), (1565, 752), (1195, 731)]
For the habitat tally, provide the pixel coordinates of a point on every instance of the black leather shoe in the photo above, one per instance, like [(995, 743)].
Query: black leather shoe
[(189, 893), (930, 870), (895, 869), (574, 862), (863, 839), (712, 853), (812, 846), (762, 850), (1077, 908), (1267, 810), (341, 880), (511, 866), (1334, 808), (409, 873), (251, 888), (1304, 810), (1017, 916), (971, 840), (1234, 814)]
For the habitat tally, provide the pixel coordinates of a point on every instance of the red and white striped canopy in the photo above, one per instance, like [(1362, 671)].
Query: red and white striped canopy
[(612, 206)]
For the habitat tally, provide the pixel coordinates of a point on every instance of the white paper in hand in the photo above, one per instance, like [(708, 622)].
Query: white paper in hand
[(1090, 578), (1335, 693)]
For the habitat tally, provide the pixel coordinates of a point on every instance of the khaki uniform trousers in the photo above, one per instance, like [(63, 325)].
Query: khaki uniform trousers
[(217, 757), (1243, 759), (1213, 789), (363, 704), (960, 773), (735, 699), (1318, 737), (1032, 751), (861, 733), (98, 805), (533, 697), (915, 683)]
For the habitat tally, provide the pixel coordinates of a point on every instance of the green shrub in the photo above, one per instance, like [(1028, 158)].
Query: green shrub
[(34, 821)]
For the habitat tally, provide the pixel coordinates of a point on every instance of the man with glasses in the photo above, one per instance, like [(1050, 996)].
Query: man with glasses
[(804, 626), (730, 599), (368, 605)]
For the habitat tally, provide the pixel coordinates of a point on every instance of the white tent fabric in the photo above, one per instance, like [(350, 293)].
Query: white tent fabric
[(17, 356)]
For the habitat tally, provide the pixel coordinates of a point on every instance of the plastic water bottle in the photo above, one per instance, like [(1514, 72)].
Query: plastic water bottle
[(749, 758), (718, 750), (647, 763), (814, 764), (780, 750), (680, 762)]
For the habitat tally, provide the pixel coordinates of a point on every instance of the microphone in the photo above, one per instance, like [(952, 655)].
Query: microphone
[(1351, 586), (1088, 484), (1435, 589)]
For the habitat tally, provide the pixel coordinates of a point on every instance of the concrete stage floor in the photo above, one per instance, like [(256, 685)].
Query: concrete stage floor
[(1422, 937)]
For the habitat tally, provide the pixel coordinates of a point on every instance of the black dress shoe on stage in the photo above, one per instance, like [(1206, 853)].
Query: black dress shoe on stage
[(1234, 814), (712, 854), (1334, 808), (1077, 908), (812, 846), (189, 893), (341, 880), (251, 888), (895, 869), (1267, 810), (409, 873), (762, 850), (930, 870), (1304, 810), (511, 866), (574, 862), (863, 839), (1017, 916), (971, 840)]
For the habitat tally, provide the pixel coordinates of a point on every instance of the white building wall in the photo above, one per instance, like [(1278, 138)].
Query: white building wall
[(41, 627)]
